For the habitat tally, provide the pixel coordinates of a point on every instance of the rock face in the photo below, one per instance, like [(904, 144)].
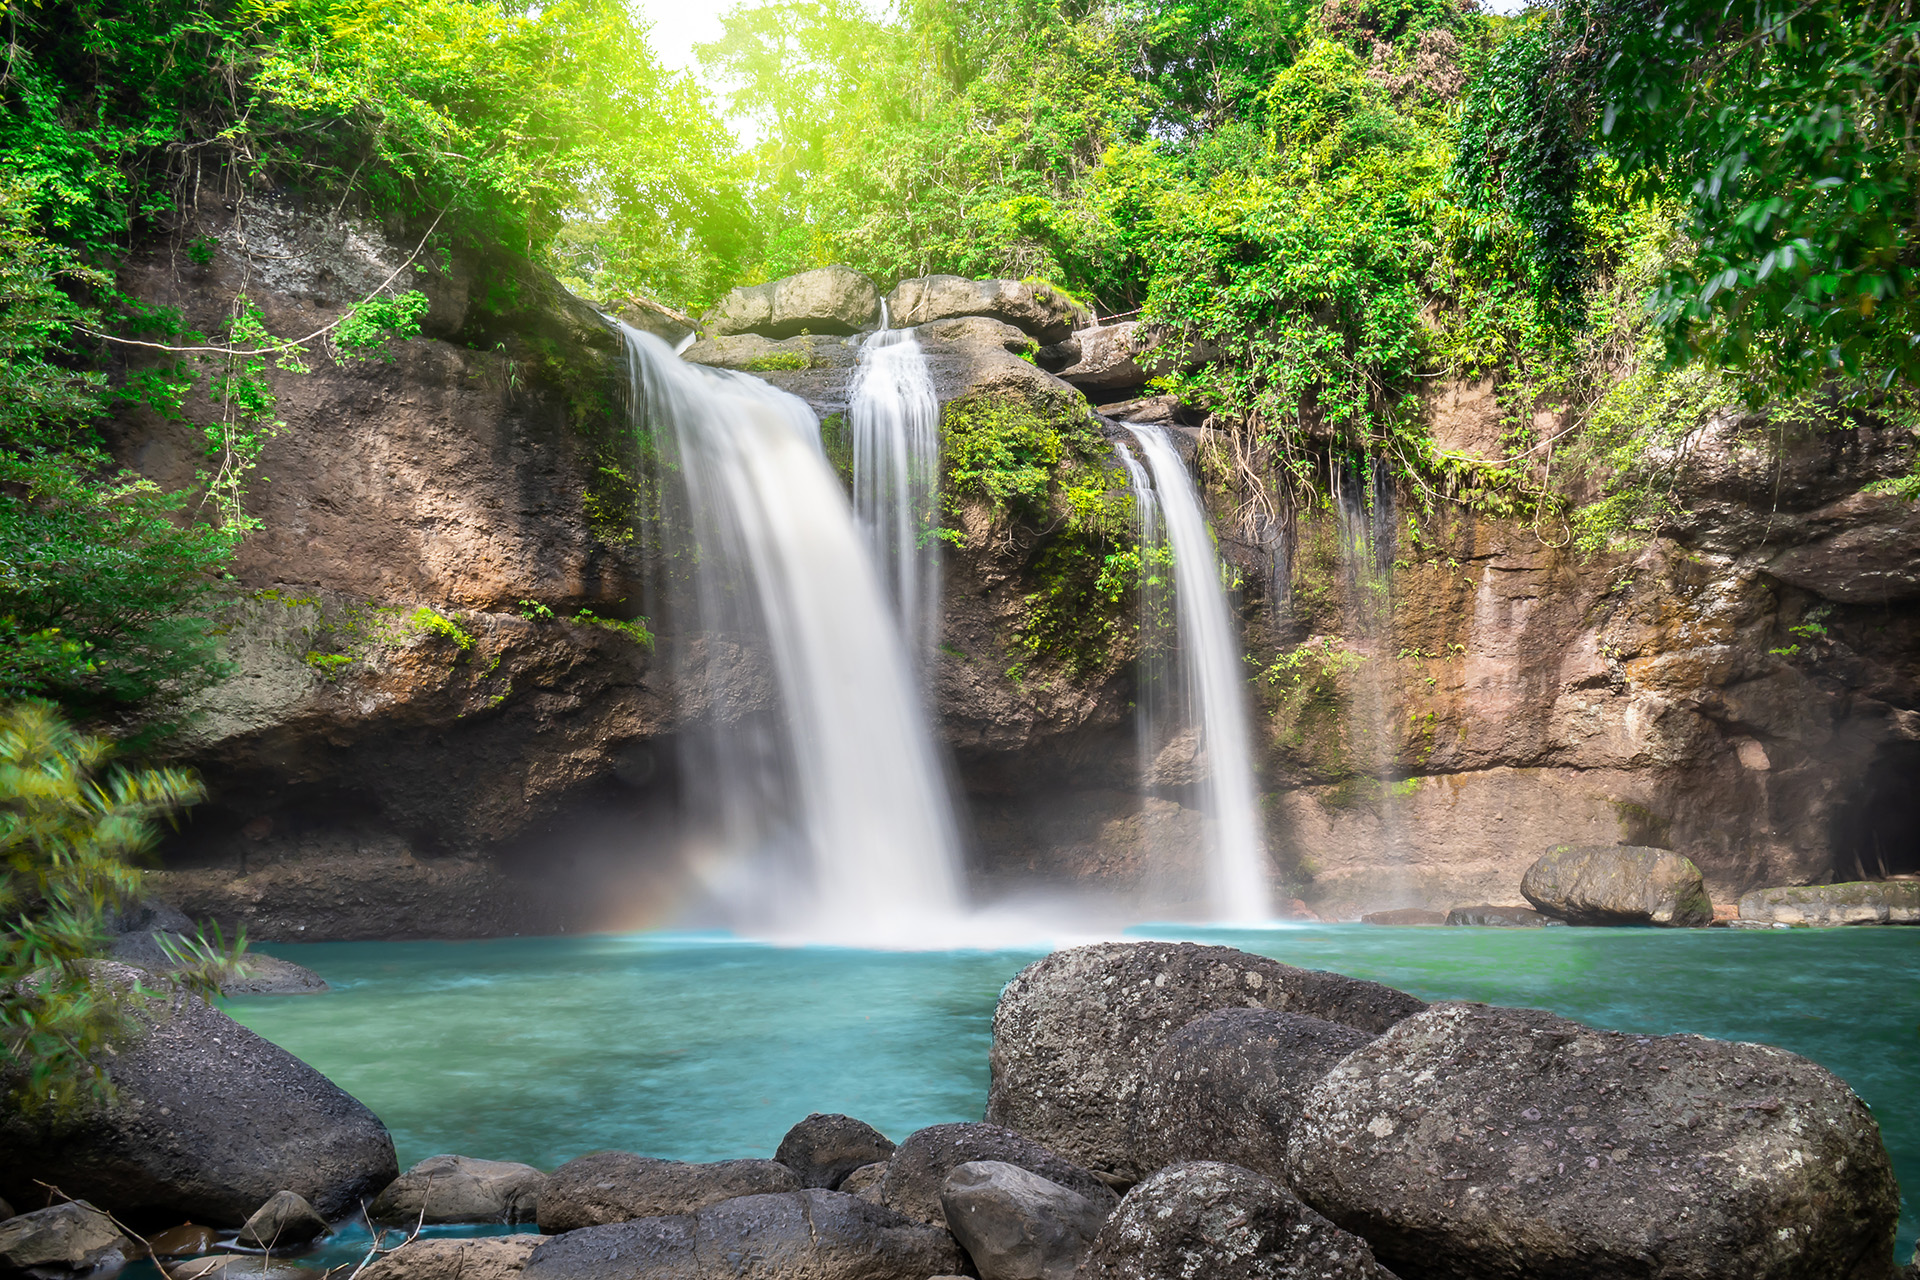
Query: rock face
[(918, 1171), (462, 1189), (284, 1220), (73, 1236), (800, 1235), (1229, 1085), (1472, 1141), (1618, 884), (211, 1121), (487, 1258), (1039, 309), (829, 300), (823, 1149), (1075, 1034), (614, 1186), (1224, 1223), (1866, 902), (1017, 1225)]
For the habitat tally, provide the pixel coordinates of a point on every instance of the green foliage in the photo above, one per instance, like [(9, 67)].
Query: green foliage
[(634, 629), (1002, 449), (775, 360), (372, 325), (426, 621)]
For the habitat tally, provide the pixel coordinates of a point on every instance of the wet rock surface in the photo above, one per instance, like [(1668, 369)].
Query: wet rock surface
[(1229, 1085), (1488, 916), (1402, 916), (919, 1169), (1472, 1141), (70, 1237), (488, 1258), (614, 1186), (1618, 884), (1017, 1225), (210, 1122), (450, 1188), (824, 1149), (1224, 1223), (183, 1241), (1038, 309), (1860, 902), (284, 1220), (1075, 1034)]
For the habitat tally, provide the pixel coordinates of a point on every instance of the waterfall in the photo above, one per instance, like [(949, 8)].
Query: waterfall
[(1363, 506), (1211, 662), (813, 758), (896, 478)]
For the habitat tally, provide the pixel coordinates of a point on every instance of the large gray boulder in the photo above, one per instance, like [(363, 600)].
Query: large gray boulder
[(614, 1186), (210, 1120), (283, 1221), (1075, 1033), (1106, 358), (1017, 1225), (798, 1235), (486, 1258), (829, 300), (1618, 884), (1035, 307), (450, 1188), (73, 1236), (1472, 1141), (1819, 905), (919, 1169), (1229, 1084), (1222, 1222), (824, 1149)]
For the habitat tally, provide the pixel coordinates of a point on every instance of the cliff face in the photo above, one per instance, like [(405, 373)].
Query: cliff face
[(410, 748)]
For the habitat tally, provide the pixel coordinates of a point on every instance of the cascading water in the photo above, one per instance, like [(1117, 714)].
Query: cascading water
[(896, 478), (1210, 659), (822, 779)]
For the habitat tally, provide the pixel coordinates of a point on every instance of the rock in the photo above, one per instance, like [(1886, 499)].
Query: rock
[(1228, 1086), (824, 1149), (210, 1121), (1860, 902), (1106, 358), (1404, 916), (183, 1241), (796, 1235), (461, 1189), (1472, 1141), (1166, 411), (236, 1266), (1037, 308), (1017, 1225), (486, 1258), (1618, 884), (863, 1180), (751, 353), (73, 1236), (285, 1220), (829, 300), (1222, 1222), (6, 1211), (148, 915), (648, 316), (1872, 557), (1075, 1033), (920, 1167), (614, 1186), (264, 975), (1486, 915)]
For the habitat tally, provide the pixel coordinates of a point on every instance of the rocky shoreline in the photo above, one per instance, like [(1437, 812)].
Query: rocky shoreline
[(1155, 1110)]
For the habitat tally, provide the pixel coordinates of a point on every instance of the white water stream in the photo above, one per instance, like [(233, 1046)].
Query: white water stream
[(1210, 661), (896, 478)]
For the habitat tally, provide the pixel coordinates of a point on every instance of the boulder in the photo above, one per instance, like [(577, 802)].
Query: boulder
[(1034, 306), (73, 1236), (1860, 902), (1486, 915), (1404, 916), (1106, 359), (796, 1235), (461, 1189), (864, 1181), (1222, 1222), (282, 1222), (183, 1241), (1228, 1086), (210, 1121), (828, 300), (615, 1186), (1075, 1033), (1017, 1225), (648, 316), (1165, 411), (260, 975), (751, 353), (486, 1258), (240, 1266), (823, 1149), (1618, 884), (1472, 1141), (920, 1167)]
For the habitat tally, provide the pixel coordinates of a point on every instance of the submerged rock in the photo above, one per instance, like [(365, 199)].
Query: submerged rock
[(462, 1189), (829, 300), (183, 1241), (210, 1121), (824, 1149), (1618, 884), (919, 1169), (283, 1221), (1859, 902), (1075, 1033), (1222, 1222), (240, 1266), (796, 1235), (487, 1258), (1037, 308), (1488, 916), (1404, 916), (615, 1186), (1229, 1085), (1472, 1141), (73, 1236), (1017, 1225)]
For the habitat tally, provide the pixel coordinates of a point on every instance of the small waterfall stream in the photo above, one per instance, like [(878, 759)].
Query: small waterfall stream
[(896, 478), (1214, 683), (814, 759)]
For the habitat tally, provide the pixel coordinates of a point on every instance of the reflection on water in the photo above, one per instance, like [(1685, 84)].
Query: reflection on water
[(703, 1048)]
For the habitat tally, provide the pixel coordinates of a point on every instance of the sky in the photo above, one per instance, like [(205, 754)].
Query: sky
[(680, 24)]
